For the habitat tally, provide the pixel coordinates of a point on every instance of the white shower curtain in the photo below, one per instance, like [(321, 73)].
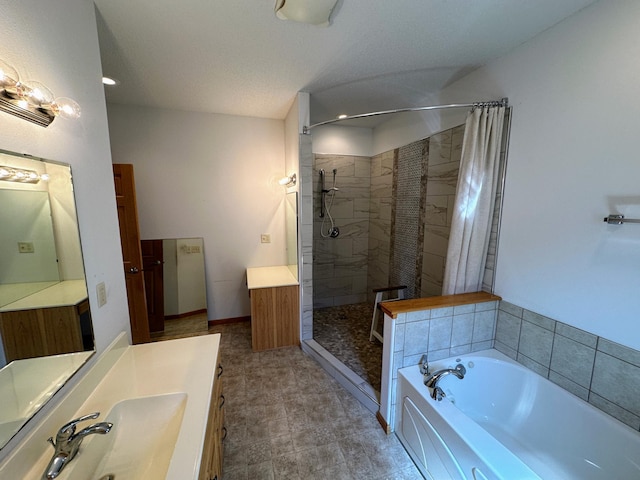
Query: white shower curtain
[(474, 204)]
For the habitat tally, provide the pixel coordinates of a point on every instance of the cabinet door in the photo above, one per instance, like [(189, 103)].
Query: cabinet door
[(287, 326), (211, 461), (218, 429), (61, 328), (263, 319), (22, 335)]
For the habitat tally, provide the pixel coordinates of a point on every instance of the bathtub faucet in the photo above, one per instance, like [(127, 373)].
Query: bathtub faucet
[(431, 381)]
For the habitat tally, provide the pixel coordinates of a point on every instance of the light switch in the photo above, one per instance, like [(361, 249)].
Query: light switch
[(25, 247), (101, 290)]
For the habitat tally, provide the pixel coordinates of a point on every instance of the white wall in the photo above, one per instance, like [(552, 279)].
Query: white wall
[(572, 161), (212, 176), (56, 43), (343, 140)]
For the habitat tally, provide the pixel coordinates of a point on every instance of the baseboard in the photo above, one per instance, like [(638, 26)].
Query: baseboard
[(186, 314), (226, 321), (383, 423)]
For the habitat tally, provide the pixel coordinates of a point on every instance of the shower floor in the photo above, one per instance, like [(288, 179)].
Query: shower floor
[(344, 332)]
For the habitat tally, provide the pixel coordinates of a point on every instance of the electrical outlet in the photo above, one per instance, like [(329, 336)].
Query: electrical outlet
[(265, 238), (25, 247), (101, 290)]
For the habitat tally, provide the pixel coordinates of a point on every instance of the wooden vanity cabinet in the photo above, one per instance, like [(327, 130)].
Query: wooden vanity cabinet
[(212, 453), (274, 317), (42, 331)]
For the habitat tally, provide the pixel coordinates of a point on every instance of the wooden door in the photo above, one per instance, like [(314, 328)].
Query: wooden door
[(152, 262), (131, 252)]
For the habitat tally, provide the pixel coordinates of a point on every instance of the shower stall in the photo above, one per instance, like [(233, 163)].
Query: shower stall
[(393, 212)]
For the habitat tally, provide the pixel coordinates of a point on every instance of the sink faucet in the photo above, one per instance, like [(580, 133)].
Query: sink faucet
[(68, 442), (431, 380)]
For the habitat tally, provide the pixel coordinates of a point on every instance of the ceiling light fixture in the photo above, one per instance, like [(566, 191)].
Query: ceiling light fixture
[(32, 100), (313, 12)]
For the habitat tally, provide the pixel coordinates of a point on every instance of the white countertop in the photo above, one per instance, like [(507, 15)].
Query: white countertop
[(186, 365), (61, 294), (268, 277)]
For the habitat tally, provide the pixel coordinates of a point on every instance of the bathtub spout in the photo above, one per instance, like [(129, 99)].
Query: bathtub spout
[(431, 381)]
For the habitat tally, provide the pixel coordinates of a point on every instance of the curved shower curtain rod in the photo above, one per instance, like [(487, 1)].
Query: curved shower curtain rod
[(504, 102)]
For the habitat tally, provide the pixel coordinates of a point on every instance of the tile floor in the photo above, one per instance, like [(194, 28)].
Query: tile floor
[(344, 332), (286, 418)]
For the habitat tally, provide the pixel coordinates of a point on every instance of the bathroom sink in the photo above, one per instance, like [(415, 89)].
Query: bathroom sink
[(140, 444)]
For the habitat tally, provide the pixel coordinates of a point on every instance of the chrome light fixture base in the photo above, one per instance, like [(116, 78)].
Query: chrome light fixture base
[(20, 108)]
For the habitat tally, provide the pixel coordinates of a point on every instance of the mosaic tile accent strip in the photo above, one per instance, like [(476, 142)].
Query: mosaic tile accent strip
[(407, 220)]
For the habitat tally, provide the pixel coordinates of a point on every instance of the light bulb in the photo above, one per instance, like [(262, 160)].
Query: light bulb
[(44, 176), (36, 93), (8, 75), (67, 108), (4, 173)]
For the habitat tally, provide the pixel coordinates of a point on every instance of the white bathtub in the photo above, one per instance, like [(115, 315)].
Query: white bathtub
[(502, 421)]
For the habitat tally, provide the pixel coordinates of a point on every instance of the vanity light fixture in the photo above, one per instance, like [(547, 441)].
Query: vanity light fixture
[(313, 12), (20, 175), (32, 100), (289, 181)]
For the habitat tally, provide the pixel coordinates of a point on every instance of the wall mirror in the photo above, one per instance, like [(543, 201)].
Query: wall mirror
[(174, 282), (291, 225), (46, 333)]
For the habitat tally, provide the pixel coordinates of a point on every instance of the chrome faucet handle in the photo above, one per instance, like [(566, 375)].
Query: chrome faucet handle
[(68, 429), (438, 394), (424, 365)]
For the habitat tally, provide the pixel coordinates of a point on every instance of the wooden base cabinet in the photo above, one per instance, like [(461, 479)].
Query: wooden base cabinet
[(275, 317), (212, 453), (42, 331)]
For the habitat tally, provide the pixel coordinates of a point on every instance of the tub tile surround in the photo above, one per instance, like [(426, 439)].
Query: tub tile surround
[(603, 373), (436, 331)]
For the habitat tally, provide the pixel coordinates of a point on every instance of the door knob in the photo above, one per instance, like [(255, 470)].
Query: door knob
[(134, 270)]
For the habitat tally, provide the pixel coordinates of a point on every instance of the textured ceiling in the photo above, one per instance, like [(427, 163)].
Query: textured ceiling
[(236, 57)]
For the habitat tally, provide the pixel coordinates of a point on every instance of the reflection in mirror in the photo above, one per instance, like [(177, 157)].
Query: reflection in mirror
[(175, 284), (45, 322), (291, 225)]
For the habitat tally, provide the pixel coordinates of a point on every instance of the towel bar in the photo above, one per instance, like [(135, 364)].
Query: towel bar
[(619, 220)]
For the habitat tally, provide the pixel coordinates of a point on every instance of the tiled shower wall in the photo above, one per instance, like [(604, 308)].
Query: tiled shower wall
[(407, 227), (380, 213), (445, 149), (372, 222), (340, 264)]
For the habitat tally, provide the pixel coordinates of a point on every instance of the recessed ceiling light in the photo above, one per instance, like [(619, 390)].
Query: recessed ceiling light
[(110, 81)]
